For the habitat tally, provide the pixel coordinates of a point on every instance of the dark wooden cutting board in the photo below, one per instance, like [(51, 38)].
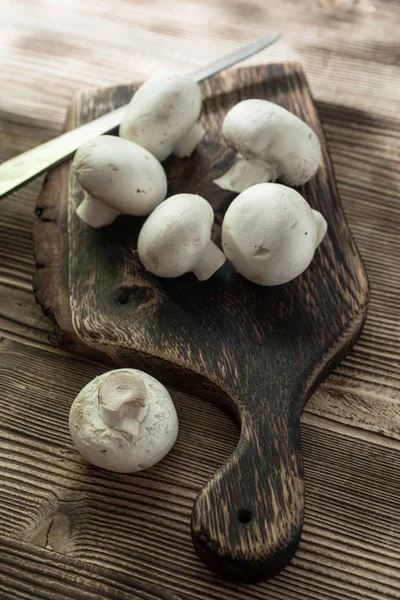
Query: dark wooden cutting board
[(260, 352)]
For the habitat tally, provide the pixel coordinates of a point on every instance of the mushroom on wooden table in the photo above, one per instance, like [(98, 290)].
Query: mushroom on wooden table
[(270, 233), (163, 116), (271, 143), (176, 239), (123, 421), (119, 177)]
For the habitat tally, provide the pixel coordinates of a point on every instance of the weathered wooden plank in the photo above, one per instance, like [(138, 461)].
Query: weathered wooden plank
[(28, 571), (334, 40), (349, 49), (138, 525)]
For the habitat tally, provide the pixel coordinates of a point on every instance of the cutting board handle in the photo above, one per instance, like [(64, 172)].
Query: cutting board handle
[(247, 521)]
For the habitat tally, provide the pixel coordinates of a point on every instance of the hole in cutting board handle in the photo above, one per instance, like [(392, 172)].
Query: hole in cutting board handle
[(244, 515), (135, 295)]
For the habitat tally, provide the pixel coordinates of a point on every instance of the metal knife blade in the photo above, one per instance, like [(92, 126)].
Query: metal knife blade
[(22, 168)]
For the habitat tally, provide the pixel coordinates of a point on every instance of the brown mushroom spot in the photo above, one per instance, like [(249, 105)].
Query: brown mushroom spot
[(261, 252)]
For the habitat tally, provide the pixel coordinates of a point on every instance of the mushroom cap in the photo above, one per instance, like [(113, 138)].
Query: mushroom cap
[(175, 234), (122, 175), (117, 450), (270, 233), (162, 110), (264, 130)]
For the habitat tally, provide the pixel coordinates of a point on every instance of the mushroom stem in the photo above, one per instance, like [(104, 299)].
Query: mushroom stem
[(96, 213), (189, 141), (246, 172), (123, 402), (321, 227), (210, 260)]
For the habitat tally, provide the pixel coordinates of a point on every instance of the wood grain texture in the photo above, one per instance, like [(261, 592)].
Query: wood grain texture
[(260, 351), (22, 566), (65, 526), (349, 49)]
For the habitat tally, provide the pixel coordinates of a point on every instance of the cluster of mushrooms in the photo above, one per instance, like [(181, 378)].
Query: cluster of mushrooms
[(125, 420)]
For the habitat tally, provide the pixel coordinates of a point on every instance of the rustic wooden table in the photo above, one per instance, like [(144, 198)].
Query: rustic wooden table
[(63, 529)]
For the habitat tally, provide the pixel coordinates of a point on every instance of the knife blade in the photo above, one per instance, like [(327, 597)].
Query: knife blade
[(21, 169)]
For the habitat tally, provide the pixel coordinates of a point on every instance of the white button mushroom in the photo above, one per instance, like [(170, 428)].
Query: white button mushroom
[(162, 116), (271, 143), (119, 178), (176, 239), (270, 233), (123, 421)]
